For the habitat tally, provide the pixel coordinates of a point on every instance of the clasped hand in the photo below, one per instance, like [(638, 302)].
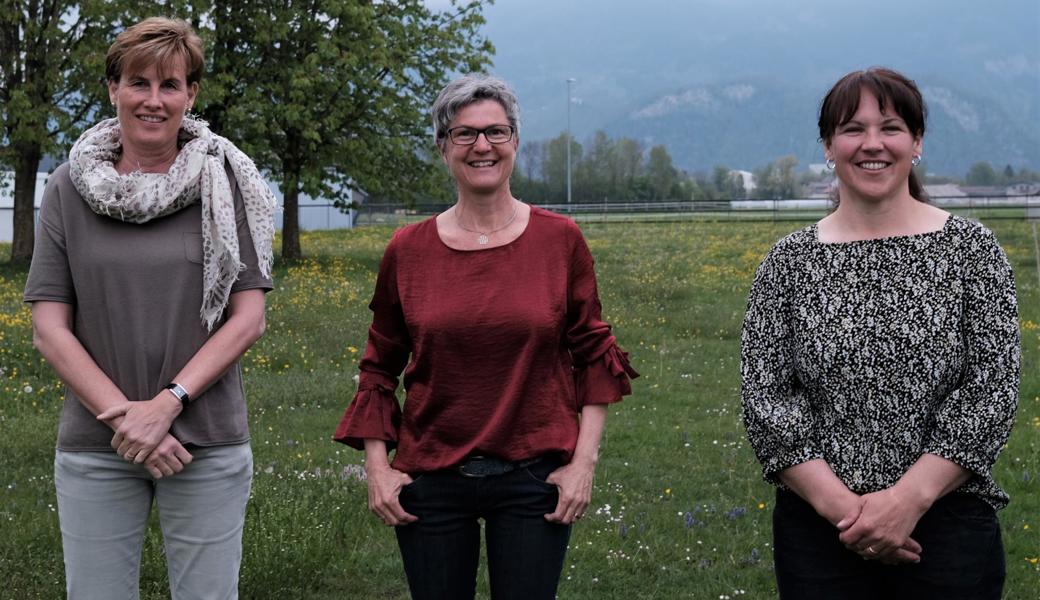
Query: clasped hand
[(879, 528), (142, 433)]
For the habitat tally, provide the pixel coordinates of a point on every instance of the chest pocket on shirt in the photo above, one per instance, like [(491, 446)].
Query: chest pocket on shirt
[(193, 247)]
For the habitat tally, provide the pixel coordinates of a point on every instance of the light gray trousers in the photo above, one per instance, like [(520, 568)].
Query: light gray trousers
[(103, 508)]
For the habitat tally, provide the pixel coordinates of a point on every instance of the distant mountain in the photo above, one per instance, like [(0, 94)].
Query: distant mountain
[(749, 123), (738, 82)]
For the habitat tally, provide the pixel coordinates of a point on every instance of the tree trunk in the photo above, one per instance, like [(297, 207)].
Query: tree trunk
[(26, 163), (291, 217)]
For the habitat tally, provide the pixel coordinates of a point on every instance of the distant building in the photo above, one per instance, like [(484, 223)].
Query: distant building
[(7, 201), (821, 189), (984, 190), (944, 190), (747, 179), (1024, 189), (321, 213)]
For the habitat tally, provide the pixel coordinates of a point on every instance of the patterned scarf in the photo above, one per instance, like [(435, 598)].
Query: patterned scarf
[(197, 172)]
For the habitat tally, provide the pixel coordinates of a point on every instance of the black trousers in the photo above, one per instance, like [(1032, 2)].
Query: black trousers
[(441, 550), (962, 556)]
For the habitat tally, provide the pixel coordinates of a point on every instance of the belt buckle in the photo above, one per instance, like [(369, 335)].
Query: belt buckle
[(464, 468)]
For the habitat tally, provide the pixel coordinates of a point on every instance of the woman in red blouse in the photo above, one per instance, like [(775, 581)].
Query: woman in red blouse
[(490, 309)]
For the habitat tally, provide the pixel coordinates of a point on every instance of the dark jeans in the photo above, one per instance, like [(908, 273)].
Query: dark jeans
[(962, 556), (441, 550)]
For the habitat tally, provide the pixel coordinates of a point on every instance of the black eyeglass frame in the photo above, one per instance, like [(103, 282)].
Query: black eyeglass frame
[(449, 134)]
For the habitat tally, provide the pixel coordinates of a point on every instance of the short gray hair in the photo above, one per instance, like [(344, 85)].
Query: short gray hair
[(465, 91)]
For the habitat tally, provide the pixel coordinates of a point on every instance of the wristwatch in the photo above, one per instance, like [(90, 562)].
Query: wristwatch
[(180, 393)]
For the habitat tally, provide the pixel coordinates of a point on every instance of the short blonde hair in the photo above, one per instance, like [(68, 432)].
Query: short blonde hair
[(156, 41)]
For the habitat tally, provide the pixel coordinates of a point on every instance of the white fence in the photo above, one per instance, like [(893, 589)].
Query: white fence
[(994, 207)]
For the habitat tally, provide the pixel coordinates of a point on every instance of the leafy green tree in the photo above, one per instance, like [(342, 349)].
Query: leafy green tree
[(533, 191), (691, 188), (599, 180), (529, 159), (52, 56), (1025, 175), (333, 94), (662, 175), (628, 165), (777, 179), (728, 184), (554, 167), (982, 173)]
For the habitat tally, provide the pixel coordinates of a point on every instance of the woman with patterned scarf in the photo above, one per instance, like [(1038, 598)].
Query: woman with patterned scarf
[(152, 258)]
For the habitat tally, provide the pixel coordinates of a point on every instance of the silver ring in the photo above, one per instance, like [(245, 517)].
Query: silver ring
[(871, 550)]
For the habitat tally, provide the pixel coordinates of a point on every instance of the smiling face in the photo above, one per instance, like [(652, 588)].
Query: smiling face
[(872, 153), (483, 168), (150, 106)]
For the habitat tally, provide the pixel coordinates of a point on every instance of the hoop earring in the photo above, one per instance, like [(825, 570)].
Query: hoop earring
[(831, 164), (916, 160)]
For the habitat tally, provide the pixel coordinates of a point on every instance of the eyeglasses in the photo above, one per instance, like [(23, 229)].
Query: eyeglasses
[(467, 136)]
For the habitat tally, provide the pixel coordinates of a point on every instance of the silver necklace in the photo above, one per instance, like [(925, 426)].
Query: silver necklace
[(482, 237)]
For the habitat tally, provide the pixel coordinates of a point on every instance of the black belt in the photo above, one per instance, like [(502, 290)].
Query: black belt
[(487, 466)]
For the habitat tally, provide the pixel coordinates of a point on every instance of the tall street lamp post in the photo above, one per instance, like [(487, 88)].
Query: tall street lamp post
[(570, 81)]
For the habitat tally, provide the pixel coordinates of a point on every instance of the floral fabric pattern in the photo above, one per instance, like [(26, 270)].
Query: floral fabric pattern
[(869, 354)]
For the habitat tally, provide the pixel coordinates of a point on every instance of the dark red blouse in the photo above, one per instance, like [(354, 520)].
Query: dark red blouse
[(500, 348)]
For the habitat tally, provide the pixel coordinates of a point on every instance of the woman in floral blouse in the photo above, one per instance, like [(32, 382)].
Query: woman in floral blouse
[(880, 364)]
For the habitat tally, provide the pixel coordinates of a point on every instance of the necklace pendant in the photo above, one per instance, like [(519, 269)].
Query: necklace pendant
[(483, 239)]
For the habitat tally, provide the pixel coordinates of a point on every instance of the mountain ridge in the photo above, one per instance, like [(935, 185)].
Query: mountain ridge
[(979, 68)]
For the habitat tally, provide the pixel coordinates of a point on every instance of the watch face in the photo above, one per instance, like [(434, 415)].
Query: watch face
[(177, 390)]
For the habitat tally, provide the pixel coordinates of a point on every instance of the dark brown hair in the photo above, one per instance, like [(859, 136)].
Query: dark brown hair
[(158, 41), (891, 89)]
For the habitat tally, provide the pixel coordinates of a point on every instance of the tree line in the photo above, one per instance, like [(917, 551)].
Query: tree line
[(608, 170), (623, 170), (982, 173)]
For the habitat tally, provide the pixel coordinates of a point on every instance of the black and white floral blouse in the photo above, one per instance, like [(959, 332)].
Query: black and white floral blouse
[(869, 354)]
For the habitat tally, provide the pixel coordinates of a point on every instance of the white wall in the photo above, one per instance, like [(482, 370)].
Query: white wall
[(7, 201)]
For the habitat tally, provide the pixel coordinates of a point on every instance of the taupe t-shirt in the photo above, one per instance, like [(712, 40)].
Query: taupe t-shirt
[(137, 292)]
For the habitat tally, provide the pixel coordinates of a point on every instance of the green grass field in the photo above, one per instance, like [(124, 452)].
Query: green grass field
[(679, 508)]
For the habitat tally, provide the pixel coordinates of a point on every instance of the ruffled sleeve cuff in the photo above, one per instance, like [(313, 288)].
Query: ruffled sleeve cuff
[(606, 379), (373, 414)]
